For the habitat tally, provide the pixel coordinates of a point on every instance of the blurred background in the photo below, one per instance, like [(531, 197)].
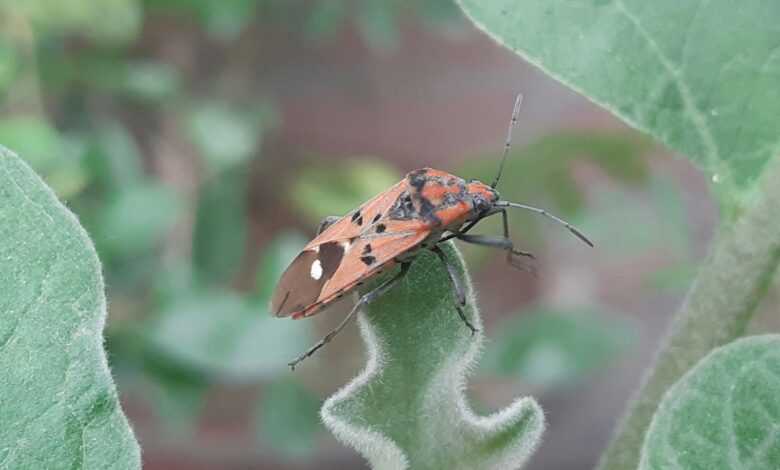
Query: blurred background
[(201, 141)]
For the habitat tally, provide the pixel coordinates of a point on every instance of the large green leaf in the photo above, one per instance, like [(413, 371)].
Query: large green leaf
[(407, 408), (58, 404), (724, 413), (700, 76)]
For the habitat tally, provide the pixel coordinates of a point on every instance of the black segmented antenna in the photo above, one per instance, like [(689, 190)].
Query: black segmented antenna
[(543, 212), (508, 143)]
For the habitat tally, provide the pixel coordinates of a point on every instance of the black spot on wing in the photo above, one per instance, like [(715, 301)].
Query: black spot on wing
[(357, 218), (376, 218), (367, 249), (368, 260), (330, 256), (380, 228)]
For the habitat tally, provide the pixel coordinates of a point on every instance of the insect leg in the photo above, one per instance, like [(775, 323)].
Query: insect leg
[(463, 230), (327, 222), (505, 222), (460, 291), (505, 243), (364, 300)]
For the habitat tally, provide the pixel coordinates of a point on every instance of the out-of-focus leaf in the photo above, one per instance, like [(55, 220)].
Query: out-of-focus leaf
[(8, 66), (113, 21), (219, 242), (378, 23), (335, 189), (34, 138), (223, 20), (226, 337), (136, 219), (636, 227), (325, 18), (178, 403), (56, 157), (439, 12), (724, 413), (549, 347), (677, 277), (58, 403), (227, 136), (115, 161), (536, 171), (542, 174), (226, 20), (152, 81), (287, 418)]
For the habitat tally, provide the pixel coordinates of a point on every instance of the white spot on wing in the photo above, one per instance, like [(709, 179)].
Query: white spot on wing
[(316, 270)]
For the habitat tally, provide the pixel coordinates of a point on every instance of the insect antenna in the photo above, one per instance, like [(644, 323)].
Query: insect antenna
[(543, 212), (508, 143)]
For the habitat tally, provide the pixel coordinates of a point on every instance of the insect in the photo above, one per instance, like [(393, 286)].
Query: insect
[(418, 213)]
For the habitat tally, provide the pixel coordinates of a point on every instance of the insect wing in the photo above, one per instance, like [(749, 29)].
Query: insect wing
[(302, 284), (357, 221), (366, 256)]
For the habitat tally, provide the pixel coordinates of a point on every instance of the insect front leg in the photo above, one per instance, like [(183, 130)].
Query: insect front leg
[(364, 300), (327, 222), (513, 256), (457, 286)]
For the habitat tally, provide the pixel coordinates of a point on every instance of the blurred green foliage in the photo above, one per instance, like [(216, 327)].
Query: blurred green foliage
[(322, 190), (287, 418), (547, 166), (550, 347), (159, 159), (231, 337)]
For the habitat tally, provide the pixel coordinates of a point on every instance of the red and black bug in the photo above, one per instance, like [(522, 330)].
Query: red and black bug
[(424, 209)]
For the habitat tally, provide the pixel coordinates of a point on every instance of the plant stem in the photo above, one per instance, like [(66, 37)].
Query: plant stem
[(723, 298)]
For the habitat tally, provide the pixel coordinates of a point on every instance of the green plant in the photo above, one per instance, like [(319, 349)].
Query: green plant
[(58, 405), (407, 408), (702, 80)]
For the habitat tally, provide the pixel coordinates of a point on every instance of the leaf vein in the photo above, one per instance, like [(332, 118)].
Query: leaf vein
[(712, 152)]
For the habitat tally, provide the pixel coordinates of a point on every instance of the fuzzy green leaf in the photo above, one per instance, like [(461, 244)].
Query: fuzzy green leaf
[(58, 405), (407, 408), (723, 413), (699, 76)]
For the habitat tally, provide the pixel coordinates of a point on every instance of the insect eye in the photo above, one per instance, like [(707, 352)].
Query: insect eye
[(481, 204)]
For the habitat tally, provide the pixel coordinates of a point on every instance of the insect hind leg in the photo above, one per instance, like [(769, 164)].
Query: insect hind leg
[(364, 300), (457, 287)]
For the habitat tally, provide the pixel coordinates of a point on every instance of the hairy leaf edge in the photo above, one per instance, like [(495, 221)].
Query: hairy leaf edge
[(380, 450), (670, 399), (102, 302)]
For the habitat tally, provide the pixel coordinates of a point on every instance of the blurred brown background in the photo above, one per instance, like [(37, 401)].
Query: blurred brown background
[(201, 141)]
